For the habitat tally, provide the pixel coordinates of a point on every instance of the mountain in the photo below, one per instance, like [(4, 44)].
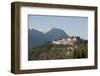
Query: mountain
[(55, 34), (36, 37), (70, 48)]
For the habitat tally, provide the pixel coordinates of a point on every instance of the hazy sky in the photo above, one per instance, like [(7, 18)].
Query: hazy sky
[(73, 26)]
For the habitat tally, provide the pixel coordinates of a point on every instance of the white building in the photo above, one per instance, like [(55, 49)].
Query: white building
[(68, 41)]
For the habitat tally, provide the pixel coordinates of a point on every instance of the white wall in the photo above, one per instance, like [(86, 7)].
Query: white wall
[(5, 33)]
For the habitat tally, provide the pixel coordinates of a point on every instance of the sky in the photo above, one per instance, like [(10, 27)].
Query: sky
[(73, 26)]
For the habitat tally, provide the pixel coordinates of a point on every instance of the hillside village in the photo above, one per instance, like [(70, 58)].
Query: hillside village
[(67, 41), (66, 48), (55, 44)]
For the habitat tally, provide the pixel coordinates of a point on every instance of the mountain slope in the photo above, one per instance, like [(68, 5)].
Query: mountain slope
[(36, 38), (49, 51), (55, 34)]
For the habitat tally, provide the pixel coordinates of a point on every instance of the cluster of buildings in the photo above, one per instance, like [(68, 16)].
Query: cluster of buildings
[(69, 41)]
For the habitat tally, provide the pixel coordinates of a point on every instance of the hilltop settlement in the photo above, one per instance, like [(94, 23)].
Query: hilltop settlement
[(65, 48)]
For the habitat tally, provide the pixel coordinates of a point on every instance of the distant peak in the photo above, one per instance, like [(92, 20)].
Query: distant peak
[(56, 29)]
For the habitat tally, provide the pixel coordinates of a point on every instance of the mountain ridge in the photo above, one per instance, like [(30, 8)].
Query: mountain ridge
[(36, 37)]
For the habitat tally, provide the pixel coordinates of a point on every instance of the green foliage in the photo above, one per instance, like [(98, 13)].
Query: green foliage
[(80, 52), (50, 51)]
